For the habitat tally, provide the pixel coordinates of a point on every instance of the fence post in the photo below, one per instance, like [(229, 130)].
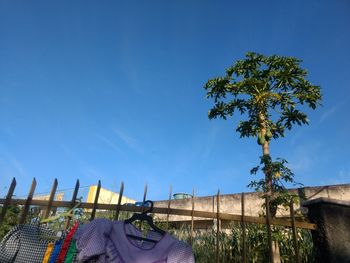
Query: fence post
[(169, 201), (28, 202), (74, 198), (144, 197), (52, 196), (121, 191), (192, 221), (143, 203), (93, 212), (8, 199), (218, 227), (295, 238), (244, 250)]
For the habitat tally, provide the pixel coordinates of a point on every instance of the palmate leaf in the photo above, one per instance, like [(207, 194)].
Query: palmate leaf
[(261, 84)]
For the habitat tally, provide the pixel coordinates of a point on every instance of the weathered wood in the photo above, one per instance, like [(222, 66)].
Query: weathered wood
[(192, 215), (244, 249), (117, 209), (74, 199), (95, 204), (29, 199), (218, 227), (51, 197), (144, 197), (172, 211), (169, 203), (8, 199), (199, 224), (294, 231)]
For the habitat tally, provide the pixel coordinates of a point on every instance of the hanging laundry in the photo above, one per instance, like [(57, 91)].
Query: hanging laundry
[(48, 252), (71, 253), (25, 243), (66, 243), (109, 241), (56, 251)]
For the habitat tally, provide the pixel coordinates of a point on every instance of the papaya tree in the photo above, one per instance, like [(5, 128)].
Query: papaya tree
[(271, 94)]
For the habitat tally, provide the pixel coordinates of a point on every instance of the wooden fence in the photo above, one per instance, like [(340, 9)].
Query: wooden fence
[(207, 218)]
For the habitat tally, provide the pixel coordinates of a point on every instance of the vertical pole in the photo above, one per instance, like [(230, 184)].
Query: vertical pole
[(244, 250), (295, 238), (93, 212), (169, 202), (144, 196), (28, 202), (74, 198), (268, 227), (51, 197), (218, 221), (8, 199), (143, 202), (117, 210), (192, 221)]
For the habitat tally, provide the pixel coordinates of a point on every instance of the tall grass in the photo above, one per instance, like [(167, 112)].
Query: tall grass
[(231, 244)]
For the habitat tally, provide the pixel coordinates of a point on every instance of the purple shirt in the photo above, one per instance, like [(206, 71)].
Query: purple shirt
[(108, 240)]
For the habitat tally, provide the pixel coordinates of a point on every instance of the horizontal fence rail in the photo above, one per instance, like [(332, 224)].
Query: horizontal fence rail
[(165, 210)]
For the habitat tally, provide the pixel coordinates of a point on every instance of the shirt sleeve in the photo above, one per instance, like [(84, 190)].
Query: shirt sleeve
[(91, 239)]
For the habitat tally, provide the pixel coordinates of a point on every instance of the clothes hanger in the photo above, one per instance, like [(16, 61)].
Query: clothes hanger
[(145, 217), (68, 213)]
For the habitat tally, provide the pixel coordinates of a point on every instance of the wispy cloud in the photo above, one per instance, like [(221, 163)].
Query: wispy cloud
[(17, 165), (128, 140), (331, 111), (108, 142), (11, 167), (91, 173)]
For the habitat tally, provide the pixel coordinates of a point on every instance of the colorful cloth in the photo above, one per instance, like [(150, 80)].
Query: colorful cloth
[(72, 251), (48, 252), (108, 241), (66, 243), (24, 243), (56, 251)]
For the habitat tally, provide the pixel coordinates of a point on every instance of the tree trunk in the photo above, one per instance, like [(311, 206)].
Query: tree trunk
[(274, 250)]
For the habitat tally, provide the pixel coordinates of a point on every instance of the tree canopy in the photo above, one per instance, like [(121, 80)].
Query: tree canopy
[(265, 89)]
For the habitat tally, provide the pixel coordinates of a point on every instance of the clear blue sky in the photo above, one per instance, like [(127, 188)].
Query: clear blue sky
[(113, 90)]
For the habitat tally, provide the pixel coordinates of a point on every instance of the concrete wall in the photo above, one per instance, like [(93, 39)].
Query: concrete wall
[(332, 238), (231, 203)]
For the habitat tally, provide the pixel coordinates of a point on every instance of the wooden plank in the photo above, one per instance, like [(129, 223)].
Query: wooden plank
[(117, 209), (172, 211), (244, 249), (218, 227), (95, 204), (199, 224), (28, 202), (295, 238), (169, 203), (8, 199), (51, 197), (74, 199), (192, 221), (144, 197)]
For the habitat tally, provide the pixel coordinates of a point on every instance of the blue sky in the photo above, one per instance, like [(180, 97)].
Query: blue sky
[(113, 90)]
